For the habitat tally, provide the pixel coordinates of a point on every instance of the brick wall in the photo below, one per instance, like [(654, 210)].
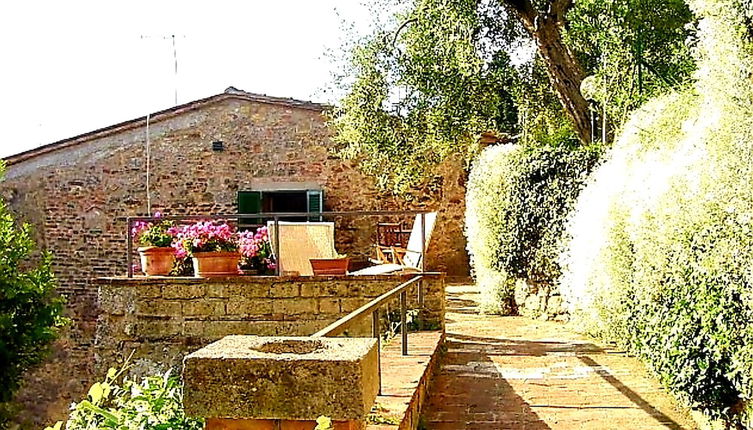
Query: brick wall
[(77, 197), (163, 319)]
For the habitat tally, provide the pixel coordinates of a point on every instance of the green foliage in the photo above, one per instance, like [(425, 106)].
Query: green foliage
[(423, 93), (154, 403), (518, 198), (30, 311), (662, 246), (633, 49), (427, 84), (153, 233)]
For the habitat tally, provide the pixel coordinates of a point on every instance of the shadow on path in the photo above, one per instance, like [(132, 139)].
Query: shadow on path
[(537, 376), (470, 393)]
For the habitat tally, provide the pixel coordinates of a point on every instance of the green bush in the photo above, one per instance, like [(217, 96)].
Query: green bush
[(517, 200), (661, 257), (154, 403), (30, 311)]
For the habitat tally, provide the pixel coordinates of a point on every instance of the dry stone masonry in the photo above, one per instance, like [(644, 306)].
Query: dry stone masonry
[(162, 319)]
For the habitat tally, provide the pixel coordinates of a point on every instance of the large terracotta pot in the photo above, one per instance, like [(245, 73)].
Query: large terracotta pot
[(216, 263), (329, 266), (157, 261)]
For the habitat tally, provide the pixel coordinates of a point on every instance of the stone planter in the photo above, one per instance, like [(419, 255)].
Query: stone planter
[(329, 266), (216, 263), (282, 378), (157, 261)]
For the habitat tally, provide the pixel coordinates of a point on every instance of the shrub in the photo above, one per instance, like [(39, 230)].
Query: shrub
[(661, 257), (156, 402), (517, 200), (30, 311)]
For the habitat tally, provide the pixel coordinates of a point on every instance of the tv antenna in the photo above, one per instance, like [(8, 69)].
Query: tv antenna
[(172, 38)]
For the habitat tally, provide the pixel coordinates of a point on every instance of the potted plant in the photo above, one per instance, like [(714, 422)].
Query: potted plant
[(212, 245), (330, 266), (256, 252), (156, 255)]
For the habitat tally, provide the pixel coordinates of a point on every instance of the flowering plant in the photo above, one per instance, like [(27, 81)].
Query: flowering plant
[(256, 251), (153, 233), (203, 236)]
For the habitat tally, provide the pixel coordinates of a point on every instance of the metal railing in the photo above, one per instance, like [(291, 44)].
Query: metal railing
[(276, 217), (339, 326)]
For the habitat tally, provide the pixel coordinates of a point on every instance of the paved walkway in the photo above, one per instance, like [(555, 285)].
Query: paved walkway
[(516, 373)]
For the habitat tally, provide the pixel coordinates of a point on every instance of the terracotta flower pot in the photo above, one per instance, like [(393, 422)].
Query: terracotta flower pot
[(216, 263), (329, 266), (157, 261)]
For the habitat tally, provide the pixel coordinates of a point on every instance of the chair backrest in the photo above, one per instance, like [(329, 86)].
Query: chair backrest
[(301, 241), (415, 254)]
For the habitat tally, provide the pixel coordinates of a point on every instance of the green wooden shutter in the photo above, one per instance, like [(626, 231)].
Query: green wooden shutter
[(315, 203), (249, 202)]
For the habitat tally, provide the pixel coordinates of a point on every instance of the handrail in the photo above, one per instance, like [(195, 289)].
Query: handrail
[(339, 326), (276, 214)]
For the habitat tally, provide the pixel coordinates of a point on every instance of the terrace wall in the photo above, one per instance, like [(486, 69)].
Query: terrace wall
[(161, 320)]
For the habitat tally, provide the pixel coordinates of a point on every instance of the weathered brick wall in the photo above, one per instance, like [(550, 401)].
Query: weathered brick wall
[(77, 198), (163, 319)]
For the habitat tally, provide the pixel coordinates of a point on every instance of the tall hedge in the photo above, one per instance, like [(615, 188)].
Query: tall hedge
[(661, 257), (517, 200)]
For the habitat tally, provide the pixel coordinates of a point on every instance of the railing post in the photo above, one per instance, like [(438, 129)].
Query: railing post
[(423, 242), (129, 246), (278, 271), (404, 321), (375, 334)]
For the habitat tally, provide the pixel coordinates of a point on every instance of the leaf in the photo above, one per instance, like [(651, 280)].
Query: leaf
[(96, 393)]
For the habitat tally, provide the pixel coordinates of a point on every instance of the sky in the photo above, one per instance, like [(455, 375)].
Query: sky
[(69, 67)]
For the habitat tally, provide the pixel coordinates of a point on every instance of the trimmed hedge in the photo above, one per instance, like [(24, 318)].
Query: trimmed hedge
[(661, 257), (517, 200)]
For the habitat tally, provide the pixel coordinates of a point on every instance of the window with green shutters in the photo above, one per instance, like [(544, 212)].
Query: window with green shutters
[(254, 202), (315, 201), (249, 202)]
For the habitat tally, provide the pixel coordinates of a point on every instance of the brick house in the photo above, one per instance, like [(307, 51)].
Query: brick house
[(207, 156)]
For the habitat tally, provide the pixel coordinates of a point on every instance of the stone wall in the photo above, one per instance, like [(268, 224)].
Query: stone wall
[(77, 197), (540, 300), (161, 320)]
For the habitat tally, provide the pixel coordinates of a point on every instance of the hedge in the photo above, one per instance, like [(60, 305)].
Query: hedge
[(661, 256), (517, 200)]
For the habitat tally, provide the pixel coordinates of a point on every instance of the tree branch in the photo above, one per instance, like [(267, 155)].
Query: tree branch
[(525, 11), (559, 8)]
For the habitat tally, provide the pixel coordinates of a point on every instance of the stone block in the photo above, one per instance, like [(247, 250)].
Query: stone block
[(251, 377), (250, 307), (247, 290), (158, 308), (329, 306), (348, 305), (204, 308), (183, 291), (285, 289), (295, 306)]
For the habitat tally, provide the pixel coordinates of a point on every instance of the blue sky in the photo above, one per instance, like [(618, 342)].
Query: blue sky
[(75, 66)]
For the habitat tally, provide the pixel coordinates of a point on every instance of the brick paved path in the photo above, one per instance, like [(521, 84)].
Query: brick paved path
[(516, 373)]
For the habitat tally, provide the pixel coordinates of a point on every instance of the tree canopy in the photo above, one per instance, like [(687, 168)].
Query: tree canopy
[(429, 82)]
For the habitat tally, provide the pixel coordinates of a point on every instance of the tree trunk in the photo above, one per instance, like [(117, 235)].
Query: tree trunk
[(565, 73)]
